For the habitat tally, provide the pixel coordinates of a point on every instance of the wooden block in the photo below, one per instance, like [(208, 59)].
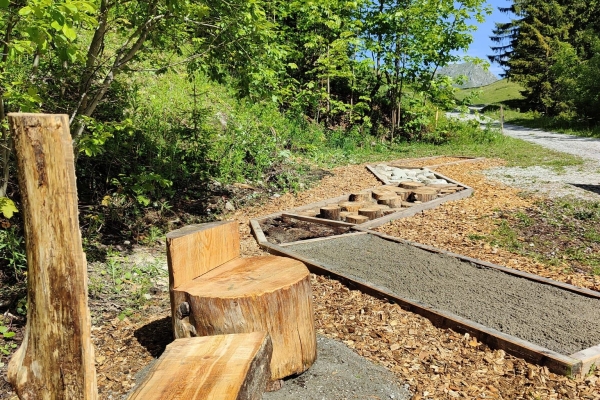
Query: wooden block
[(400, 192), (223, 367), (391, 201), (356, 219), (361, 196), (378, 193), (407, 204), (371, 212), (351, 206), (196, 249), (424, 194), (265, 293), (411, 185), (331, 212)]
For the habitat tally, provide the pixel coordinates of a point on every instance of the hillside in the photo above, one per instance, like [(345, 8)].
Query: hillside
[(498, 92), (477, 76)]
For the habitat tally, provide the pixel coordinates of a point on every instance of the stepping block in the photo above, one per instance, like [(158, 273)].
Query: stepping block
[(224, 367), (265, 293)]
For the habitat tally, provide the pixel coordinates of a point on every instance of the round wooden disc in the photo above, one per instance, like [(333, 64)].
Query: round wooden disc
[(411, 185)]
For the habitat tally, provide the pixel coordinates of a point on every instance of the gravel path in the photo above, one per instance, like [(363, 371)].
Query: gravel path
[(577, 181), (579, 146)]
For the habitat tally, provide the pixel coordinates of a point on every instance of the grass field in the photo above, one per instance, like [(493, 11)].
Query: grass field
[(498, 92)]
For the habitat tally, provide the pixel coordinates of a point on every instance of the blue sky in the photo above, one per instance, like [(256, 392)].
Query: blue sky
[(481, 38)]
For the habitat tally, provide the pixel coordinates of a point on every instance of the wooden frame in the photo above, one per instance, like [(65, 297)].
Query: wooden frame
[(578, 363), (410, 211)]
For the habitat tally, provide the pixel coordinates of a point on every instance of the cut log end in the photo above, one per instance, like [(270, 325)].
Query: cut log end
[(361, 196), (356, 219), (411, 185), (371, 213), (331, 212)]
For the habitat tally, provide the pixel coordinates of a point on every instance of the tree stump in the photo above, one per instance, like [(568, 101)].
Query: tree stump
[(411, 185), (351, 206), (331, 212), (391, 201), (344, 215), (361, 196), (401, 192), (371, 212), (356, 219), (265, 293), (424, 194), (56, 357), (227, 367), (378, 193)]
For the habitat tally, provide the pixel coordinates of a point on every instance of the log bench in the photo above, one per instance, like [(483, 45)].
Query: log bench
[(214, 292), (224, 367)]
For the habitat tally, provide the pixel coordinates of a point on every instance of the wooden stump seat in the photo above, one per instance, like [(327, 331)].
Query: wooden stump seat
[(224, 367), (215, 292)]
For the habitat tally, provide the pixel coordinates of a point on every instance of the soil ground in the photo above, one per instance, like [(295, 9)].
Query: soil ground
[(435, 363)]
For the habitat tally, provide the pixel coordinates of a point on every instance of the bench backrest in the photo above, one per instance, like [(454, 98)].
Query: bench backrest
[(196, 249)]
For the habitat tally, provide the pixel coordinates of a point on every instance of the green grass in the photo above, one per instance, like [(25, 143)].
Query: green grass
[(516, 152), (498, 92)]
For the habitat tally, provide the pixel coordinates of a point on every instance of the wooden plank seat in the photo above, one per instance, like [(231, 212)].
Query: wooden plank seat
[(214, 291), (223, 367)]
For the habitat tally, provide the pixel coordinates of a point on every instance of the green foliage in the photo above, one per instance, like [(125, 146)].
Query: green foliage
[(13, 259), (552, 51), (502, 91), (7, 207)]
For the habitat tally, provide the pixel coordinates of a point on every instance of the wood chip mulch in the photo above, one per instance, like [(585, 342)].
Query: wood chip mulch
[(436, 363)]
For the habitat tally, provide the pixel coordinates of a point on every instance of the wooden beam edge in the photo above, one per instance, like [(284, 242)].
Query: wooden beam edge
[(590, 358), (531, 352), (257, 231), (409, 212)]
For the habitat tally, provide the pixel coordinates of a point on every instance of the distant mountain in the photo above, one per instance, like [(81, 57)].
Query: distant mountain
[(476, 75)]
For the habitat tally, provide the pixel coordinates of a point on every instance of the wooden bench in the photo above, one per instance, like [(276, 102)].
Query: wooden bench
[(214, 292), (224, 367)]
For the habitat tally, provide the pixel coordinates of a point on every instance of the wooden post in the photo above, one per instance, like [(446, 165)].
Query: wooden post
[(56, 359), (501, 119)]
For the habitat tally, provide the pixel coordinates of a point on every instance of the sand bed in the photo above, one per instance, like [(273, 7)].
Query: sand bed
[(550, 317)]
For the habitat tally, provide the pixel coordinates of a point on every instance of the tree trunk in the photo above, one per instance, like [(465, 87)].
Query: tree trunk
[(228, 367), (56, 358), (265, 293)]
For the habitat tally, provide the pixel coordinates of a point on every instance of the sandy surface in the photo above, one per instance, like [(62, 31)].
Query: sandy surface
[(526, 309)]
